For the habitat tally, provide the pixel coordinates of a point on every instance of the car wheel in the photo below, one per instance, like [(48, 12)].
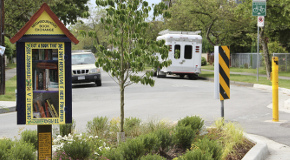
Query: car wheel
[(98, 82)]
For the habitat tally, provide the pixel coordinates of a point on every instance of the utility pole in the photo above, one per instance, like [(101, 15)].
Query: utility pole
[(2, 58)]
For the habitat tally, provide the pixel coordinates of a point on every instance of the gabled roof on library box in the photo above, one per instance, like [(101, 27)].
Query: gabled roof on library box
[(52, 25)]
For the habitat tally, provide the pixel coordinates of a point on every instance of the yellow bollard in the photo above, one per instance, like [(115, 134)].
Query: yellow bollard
[(275, 87)]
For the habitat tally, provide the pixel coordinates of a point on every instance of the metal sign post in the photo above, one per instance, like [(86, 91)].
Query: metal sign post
[(222, 75), (259, 9)]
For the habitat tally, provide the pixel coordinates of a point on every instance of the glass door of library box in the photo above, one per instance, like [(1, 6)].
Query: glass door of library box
[(45, 83)]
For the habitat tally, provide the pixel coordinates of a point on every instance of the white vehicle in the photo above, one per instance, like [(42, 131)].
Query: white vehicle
[(84, 69), (185, 53)]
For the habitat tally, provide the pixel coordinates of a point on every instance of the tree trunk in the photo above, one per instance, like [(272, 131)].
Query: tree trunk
[(122, 106), (264, 43)]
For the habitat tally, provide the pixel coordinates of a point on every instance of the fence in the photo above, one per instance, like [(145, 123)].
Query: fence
[(284, 61), (245, 60), (249, 60)]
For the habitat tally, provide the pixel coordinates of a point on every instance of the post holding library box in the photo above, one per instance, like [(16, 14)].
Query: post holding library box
[(44, 89)]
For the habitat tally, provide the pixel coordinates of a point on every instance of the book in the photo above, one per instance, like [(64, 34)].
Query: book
[(44, 79), (48, 114), (41, 54), (48, 54), (40, 81), (47, 79), (36, 107), (51, 106), (41, 110)]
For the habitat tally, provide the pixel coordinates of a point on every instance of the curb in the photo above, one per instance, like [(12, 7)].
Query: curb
[(259, 151), (7, 109)]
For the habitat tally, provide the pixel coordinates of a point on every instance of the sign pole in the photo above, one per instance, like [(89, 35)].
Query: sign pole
[(2, 57), (222, 109), (258, 54)]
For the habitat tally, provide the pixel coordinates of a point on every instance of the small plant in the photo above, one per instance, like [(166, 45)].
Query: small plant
[(210, 146), (21, 150), (164, 136), (195, 122), (203, 61), (184, 136), (151, 142), (5, 145), (67, 128), (67, 145), (131, 149), (30, 136), (196, 154), (77, 149), (152, 157), (230, 135), (132, 127), (99, 126)]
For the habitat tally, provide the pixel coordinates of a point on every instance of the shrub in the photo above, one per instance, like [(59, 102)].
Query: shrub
[(131, 149), (151, 142), (203, 61), (196, 154), (152, 157), (232, 136), (21, 150), (96, 146), (132, 126), (132, 122), (77, 149), (164, 136), (30, 136), (67, 128), (211, 146), (184, 136), (194, 122), (155, 125), (98, 126), (5, 145)]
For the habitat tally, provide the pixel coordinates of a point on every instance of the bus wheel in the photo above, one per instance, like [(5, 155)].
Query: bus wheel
[(192, 76)]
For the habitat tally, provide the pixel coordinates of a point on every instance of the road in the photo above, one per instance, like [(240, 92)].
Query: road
[(171, 99)]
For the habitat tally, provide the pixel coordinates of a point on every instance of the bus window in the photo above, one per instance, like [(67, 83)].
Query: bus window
[(188, 52), (177, 51)]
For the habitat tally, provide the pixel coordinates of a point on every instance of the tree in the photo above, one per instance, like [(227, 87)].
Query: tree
[(216, 19), (277, 23), (18, 12), (125, 20)]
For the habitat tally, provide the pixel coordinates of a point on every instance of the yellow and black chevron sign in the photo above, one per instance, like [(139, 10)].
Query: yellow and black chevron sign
[(224, 72)]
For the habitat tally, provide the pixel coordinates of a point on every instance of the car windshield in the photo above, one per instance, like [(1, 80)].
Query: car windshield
[(83, 59)]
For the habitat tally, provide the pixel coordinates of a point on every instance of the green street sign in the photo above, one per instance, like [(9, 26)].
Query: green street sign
[(259, 8)]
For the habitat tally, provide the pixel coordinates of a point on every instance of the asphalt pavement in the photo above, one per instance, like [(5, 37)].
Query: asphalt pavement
[(264, 149)]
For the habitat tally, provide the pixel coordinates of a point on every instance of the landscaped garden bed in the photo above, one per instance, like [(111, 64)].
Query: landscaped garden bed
[(186, 140)]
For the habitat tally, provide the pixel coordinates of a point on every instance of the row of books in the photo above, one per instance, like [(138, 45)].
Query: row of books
[(44, 54), (48, 110), (45, 79)]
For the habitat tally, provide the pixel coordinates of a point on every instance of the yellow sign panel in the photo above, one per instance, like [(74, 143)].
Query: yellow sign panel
[(45, 83), (44, 146), (224, 72), (44, 25)]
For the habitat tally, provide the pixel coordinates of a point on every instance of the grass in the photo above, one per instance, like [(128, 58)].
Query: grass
[(10, 87), (248, 79), (262, 70)]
